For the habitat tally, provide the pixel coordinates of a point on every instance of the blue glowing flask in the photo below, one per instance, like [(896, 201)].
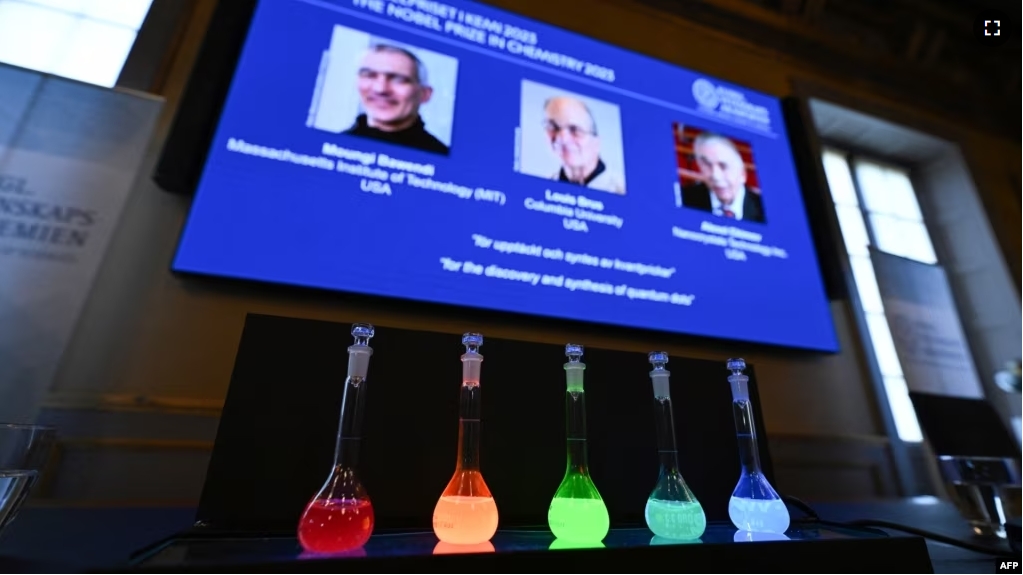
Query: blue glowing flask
[(672, 511), (755, 505)]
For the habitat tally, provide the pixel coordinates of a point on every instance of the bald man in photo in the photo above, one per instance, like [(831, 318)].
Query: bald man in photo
[(722, 189), (574, 140)]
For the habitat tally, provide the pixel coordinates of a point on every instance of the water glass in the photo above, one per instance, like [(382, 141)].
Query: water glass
[(985, 490)]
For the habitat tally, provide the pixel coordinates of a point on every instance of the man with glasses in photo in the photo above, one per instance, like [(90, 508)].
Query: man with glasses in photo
[(575, 141)]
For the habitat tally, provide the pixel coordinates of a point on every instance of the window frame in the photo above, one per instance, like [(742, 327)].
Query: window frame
[(851, 159), (910, 458)]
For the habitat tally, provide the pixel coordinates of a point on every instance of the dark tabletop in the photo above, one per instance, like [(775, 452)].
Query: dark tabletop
[(73, 540)]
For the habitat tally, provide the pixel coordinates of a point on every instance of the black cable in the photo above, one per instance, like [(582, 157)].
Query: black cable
[(932, 536), (803, 506), (813, 517)]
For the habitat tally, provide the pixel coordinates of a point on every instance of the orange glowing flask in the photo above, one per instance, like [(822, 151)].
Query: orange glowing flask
[(466, 513)]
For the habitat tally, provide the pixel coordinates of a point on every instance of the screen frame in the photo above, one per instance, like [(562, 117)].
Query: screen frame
[(182, 162)]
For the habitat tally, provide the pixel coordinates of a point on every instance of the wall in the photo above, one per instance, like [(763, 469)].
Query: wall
[(986, 294), (988, 307), (140, 386)]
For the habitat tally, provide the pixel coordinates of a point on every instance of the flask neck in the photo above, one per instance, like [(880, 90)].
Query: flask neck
[(664, 421), (575, 417), (469, 411), (349, 436), (745, 431)]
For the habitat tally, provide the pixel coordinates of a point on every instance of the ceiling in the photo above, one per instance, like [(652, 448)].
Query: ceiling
[(912, 50)]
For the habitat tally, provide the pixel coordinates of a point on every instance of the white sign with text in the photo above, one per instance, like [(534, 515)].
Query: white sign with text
[(925, 327), (69, 156)]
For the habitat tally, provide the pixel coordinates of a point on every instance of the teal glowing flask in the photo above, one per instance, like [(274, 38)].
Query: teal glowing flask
[(577, 513), (672, 511), (755, 505)]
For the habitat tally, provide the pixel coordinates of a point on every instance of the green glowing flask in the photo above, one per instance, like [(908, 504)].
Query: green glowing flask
[(577, 512)]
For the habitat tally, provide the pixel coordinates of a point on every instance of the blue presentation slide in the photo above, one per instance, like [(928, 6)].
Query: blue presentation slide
[(449, 152)]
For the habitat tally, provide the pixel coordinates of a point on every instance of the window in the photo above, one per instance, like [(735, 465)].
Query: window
[(86, 40), (876, 205)]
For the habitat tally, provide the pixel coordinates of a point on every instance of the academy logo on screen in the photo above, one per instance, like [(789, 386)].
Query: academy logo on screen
[(729, 105), (706, 94)]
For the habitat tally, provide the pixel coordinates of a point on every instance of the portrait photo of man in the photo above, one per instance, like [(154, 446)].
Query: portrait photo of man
[(717, 175), (570, 139), (402, 95)]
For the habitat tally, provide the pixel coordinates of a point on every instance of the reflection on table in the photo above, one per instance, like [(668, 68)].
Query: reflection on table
[(221, 551)]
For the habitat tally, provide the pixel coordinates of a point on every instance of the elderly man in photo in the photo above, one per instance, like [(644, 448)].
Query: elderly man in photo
[(572, 134), (723, 189)]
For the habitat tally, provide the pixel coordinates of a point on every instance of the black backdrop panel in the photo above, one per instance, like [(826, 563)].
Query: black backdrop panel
[(961, 426), (275, 443)]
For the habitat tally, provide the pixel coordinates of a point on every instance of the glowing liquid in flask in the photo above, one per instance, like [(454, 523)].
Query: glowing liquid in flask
[(462, 520), (758, 515), (577, 513), (333, 524), (672, 511), (340, 518), (466, 513), (755, 506), (678, 520), (573, 519)]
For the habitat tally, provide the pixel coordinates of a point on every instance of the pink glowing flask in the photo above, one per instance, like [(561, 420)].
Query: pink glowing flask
[(339, 517), (466, 513)]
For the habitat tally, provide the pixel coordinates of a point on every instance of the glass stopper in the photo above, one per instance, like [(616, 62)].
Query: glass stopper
[(736, 365), (658, 359), (472, 342), (574, 351), (362, 332)]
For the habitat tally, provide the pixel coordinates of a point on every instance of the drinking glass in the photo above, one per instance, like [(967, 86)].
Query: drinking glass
[(984, 489)]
